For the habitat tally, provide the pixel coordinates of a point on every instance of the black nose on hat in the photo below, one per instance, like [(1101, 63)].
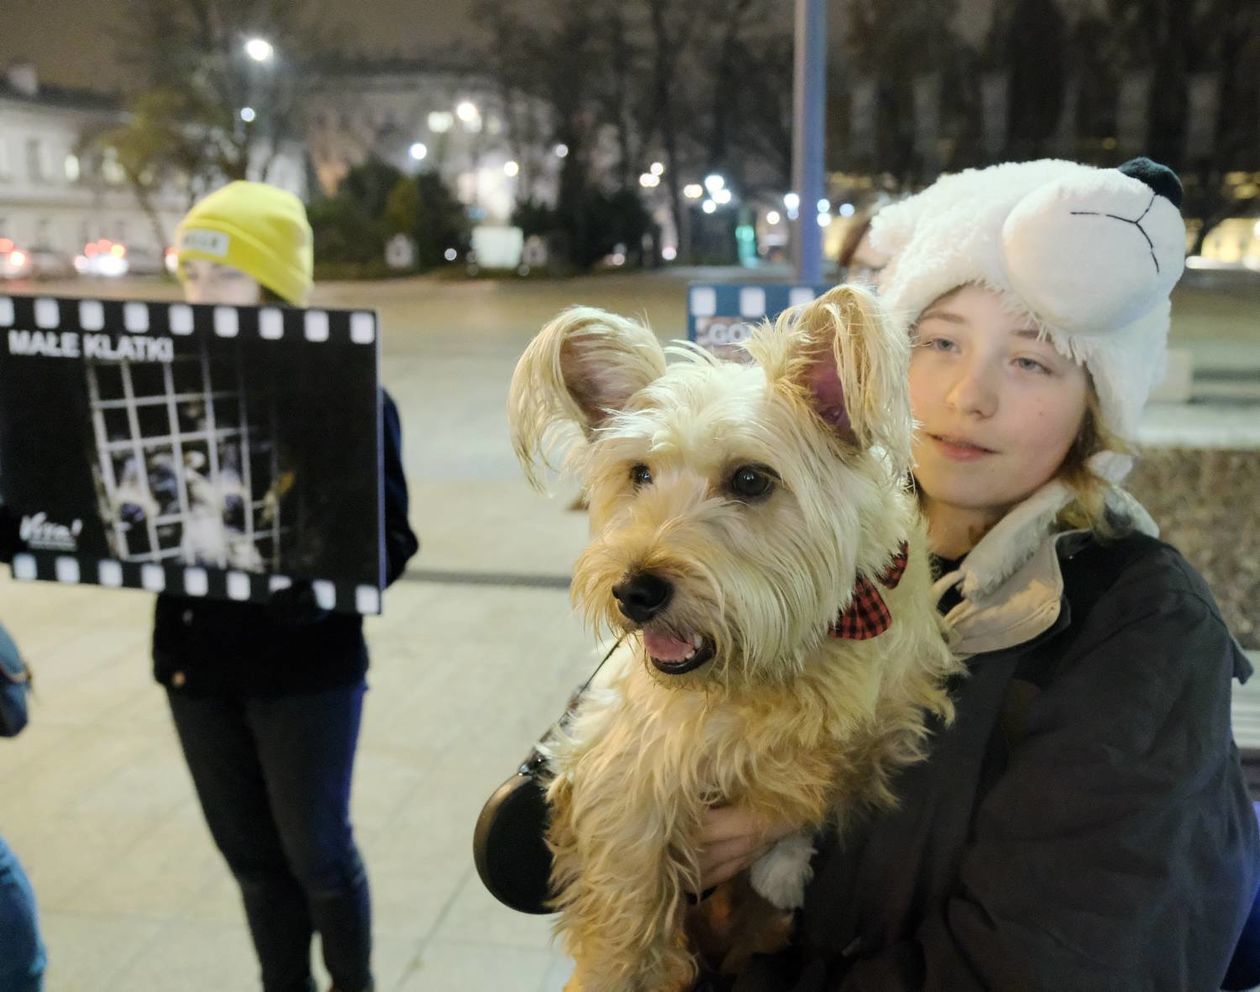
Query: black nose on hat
[(1158, 177), (642, 595)]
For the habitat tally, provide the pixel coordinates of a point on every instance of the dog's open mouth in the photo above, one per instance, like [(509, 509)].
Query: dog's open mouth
[(677, 655)]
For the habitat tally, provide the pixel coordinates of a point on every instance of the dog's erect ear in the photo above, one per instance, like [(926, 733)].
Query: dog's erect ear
[(582, 367), (850, 365)]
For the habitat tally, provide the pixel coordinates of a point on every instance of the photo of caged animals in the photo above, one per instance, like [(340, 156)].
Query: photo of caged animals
[(186, 465), (241, 443)]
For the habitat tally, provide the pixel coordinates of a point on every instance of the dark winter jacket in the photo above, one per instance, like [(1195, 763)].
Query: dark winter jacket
[(1083, 825), (216, 647)]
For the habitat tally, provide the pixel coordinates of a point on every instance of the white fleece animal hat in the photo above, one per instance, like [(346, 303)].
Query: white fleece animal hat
[(1089, 254)]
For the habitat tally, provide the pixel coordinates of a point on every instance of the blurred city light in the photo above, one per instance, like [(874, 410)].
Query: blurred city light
[(649, 181), (657, 169), (440, 121), (248, 115), (418, 151), (693, 191), (792, 201), (772, 217), (561, 150), (467, 111), (846, 210), (669, 253), (824, 206), (511, 168), (824, 220), (450, 254), (708, 206), (713, 182), (722, 196), (259, 49)]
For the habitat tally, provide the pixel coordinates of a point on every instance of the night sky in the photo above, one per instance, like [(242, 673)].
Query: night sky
[(71, 44)]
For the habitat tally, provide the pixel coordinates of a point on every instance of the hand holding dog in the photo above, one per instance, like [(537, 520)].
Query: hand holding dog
[(732, 839)]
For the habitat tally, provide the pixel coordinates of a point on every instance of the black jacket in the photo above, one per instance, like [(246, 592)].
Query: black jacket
[(215, 647), (1083, 825)]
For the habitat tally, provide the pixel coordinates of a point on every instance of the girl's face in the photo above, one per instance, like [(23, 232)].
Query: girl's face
[(998, 409), (209, 282)]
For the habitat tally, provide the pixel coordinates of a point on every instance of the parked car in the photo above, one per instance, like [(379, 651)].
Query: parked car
[(15, 262), (103, 258), (48, 263)]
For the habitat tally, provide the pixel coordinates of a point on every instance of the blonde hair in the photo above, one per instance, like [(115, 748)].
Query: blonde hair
[(1088, 511)]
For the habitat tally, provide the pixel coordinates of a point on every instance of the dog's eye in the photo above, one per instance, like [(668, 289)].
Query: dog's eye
[(640, 475), (752, 482)]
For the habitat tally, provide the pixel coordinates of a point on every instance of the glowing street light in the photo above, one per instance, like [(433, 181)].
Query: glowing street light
[(260, 49), (418, 151)]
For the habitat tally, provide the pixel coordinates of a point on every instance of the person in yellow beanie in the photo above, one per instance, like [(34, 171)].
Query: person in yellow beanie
[(267, 698), (241, 234)]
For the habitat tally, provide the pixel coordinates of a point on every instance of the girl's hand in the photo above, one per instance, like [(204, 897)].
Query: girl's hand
[(732, 839)]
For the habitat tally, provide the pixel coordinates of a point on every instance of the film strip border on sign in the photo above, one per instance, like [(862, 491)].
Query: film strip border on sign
[(268, 323), (722, 316), (187, 580)]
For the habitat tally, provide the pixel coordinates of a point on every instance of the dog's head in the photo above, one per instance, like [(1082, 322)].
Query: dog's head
[(732, 505)]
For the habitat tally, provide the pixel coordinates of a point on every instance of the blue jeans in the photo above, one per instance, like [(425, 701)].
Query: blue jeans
[(273, 777), (22, 957)]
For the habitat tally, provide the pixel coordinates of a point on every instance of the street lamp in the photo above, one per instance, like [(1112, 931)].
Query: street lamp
[(469, 115), (260, 49)]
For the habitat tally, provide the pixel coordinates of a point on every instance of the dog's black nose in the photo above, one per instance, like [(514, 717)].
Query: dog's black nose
[(1158, 177), (642, 595)]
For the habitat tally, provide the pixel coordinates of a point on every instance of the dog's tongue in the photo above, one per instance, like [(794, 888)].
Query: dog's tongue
[(662, 647)]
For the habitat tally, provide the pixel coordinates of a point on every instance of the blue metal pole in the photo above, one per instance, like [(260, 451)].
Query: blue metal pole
[(810, 97)]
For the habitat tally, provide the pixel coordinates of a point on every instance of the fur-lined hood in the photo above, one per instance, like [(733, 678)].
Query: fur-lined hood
[(1010, 582)]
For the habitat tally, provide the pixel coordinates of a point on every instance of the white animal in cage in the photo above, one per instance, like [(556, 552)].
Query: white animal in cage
[(207, 537)]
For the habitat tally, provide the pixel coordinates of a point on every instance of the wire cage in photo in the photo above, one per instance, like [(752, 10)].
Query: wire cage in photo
[(185, 462)]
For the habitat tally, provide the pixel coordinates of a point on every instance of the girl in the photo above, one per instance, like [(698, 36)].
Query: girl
[(267, 699), (1083, 823)]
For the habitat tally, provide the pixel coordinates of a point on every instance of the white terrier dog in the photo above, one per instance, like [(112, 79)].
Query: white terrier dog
[(754, 536)]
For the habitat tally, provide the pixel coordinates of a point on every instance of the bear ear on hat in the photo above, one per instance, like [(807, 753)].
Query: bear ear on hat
[(1158, 177), (1095, 250)]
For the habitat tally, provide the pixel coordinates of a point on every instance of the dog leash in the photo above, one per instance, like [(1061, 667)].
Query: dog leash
[(532, 764)]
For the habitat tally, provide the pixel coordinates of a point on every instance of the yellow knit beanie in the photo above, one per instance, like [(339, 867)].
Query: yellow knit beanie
[(256, 228)]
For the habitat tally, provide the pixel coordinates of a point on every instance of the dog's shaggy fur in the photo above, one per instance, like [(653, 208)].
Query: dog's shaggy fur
[(782, 718)]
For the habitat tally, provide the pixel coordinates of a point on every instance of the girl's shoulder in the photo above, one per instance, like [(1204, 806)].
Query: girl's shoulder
[(1134, 572)]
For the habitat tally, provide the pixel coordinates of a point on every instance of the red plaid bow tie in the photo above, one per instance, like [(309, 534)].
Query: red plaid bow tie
[(867, 614)]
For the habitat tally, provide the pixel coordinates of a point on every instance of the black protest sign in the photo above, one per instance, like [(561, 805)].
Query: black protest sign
[(197, 449)]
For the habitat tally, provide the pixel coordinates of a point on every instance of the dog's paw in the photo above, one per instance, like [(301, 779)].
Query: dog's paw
[(781, 876)]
